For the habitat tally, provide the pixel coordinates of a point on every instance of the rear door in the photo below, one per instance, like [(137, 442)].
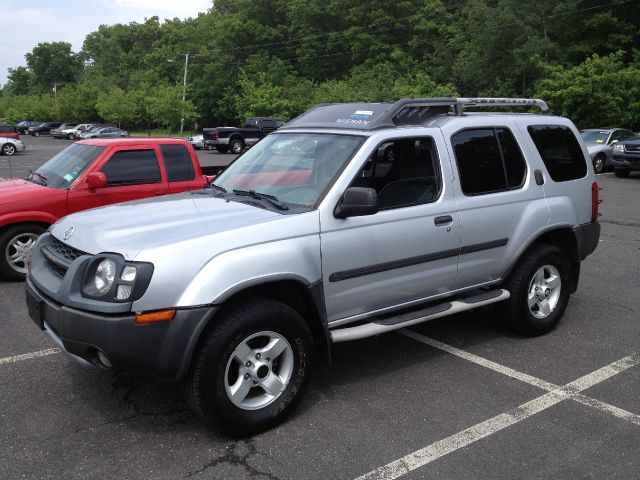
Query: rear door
[(132, 173), (500, 204)]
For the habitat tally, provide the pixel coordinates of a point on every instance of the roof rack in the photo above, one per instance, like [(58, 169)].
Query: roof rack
[(408, 111)]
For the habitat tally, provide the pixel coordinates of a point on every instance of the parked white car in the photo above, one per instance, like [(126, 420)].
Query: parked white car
[(11, 146)]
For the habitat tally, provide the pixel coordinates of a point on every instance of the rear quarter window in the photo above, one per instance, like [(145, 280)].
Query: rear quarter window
[(178, 163), (560, 151)]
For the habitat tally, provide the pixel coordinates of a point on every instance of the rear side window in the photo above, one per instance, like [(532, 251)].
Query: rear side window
[(132, 167), (178, 163), (489, 160), (7, 129), (560, 151)]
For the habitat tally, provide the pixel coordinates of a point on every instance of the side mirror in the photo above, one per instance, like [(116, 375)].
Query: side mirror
[(613, 142), (357, 202), (96, 180)]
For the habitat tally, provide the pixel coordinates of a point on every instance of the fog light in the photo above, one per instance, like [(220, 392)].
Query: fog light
[(104, 360), (124, 292)]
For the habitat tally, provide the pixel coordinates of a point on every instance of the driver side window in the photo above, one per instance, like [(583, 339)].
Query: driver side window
[(403, 172)]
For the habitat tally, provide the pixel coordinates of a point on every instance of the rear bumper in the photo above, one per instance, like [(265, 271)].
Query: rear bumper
[(163, 350), (587, 236)]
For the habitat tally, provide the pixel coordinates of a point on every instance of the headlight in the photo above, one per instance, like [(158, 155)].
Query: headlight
[(618, 147), (110, 278), (105, 274)]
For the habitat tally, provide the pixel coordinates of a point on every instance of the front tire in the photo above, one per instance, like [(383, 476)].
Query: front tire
[(8, 149), (599, 163), (251, 371), (15, 247), (540, 289), (621, 172), (36, 134), (71, 136)]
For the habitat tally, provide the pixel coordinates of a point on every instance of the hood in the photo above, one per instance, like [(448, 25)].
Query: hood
[(18, 192), (128, 228), (596, 147)]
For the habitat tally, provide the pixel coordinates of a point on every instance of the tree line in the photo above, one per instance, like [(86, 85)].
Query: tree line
[(279, 57)]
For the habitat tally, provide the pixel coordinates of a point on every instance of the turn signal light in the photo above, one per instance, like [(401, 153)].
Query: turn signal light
[(154, 317)]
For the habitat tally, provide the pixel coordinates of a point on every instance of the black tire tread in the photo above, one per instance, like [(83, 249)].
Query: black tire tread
[(5, 234), (518, 282), (229, 319)]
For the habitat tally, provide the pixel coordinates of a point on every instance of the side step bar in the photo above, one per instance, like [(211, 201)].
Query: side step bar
[(383, 325)]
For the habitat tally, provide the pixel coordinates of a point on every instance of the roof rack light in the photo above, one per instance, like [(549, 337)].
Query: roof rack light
[(500, 102)]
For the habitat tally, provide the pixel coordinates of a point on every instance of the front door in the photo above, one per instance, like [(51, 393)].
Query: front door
[(406, 252), (132, 173)]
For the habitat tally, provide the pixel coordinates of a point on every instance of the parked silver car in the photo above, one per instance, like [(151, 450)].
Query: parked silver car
[(319, 235), (11, 146), (600, 143)]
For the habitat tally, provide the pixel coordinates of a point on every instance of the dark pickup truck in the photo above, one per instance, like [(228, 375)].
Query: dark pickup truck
[(237, 138)]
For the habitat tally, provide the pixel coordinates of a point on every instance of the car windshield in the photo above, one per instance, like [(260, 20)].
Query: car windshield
[(594, 136), (63, 169), (292, 167)]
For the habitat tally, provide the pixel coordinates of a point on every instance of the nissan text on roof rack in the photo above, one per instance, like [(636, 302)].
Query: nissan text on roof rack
[(349, 221)]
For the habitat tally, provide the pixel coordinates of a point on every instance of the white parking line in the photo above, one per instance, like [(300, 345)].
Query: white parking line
[(531, 380), (28, 356), (428, 454)]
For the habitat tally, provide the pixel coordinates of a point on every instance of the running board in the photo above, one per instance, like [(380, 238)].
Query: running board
[(383, 325)]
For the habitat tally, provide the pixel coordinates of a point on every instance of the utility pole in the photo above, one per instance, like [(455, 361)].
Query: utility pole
[(184, 90)]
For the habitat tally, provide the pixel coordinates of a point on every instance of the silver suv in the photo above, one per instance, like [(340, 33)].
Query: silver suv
[(350, 221)]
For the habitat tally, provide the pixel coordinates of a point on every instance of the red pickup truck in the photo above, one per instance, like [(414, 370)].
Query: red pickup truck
[(89, 174)]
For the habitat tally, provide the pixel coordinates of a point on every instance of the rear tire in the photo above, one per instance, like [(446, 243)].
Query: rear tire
[(71, 136), (621, 172), (540, 289), (236, 146), (8, 149), (36, 134), (260, 342)]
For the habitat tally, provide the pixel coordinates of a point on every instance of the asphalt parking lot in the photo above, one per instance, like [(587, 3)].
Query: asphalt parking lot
[(457, 398)]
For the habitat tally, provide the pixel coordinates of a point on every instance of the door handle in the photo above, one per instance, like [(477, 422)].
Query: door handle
[(538, 176), (443, 220)]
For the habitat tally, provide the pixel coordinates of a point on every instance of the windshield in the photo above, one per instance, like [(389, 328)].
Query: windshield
[(63, 169), (594, 136), (292, 167)]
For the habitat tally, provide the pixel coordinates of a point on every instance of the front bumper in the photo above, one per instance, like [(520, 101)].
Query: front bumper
[(163, 350), (626, 160)]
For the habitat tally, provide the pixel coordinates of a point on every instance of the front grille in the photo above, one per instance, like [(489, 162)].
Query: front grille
[(64, 251), (632, 148), (60, 255)]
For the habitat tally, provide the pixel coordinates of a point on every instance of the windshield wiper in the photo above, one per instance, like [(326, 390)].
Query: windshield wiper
[(217, 187), (42, 178), (262, 196)]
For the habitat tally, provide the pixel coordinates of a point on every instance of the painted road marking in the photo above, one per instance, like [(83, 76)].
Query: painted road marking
[(432, 452), (531, 380), (29, 356)]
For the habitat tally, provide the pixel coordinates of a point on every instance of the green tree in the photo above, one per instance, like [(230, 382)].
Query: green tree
[(53, 64), (116, 106), (601, 91)]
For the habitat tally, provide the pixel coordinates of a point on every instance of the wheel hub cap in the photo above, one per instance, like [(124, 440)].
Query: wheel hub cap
[(259, 370), (18, 251), (544, 291)]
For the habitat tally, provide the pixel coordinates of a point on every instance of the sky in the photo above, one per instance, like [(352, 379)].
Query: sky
[(27, 23)]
